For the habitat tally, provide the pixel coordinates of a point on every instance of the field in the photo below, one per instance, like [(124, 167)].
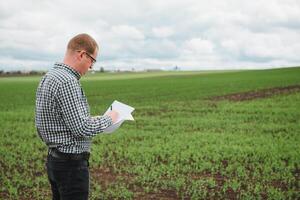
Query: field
[(196, 135)]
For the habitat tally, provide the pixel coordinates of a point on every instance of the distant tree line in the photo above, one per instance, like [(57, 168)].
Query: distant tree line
[(20, 73)]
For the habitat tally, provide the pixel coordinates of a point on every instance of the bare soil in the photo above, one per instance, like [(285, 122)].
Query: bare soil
[(258, 94)]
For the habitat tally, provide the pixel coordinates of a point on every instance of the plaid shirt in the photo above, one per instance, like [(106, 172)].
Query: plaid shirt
[(62, 114)]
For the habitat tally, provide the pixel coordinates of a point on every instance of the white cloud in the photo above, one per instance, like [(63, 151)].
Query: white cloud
[(162, 32), (199, 46), (127, 32), (190, 33)]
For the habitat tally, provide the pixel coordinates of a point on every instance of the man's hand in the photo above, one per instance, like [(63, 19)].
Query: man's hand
[(114, 115)]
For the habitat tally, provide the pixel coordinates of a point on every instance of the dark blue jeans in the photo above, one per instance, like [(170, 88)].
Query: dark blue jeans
[(69, 179)]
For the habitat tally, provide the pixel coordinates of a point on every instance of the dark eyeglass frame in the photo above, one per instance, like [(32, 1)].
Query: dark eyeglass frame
[(93, 59)]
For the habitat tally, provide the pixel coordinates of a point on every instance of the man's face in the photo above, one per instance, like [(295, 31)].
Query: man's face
[(87, 60)]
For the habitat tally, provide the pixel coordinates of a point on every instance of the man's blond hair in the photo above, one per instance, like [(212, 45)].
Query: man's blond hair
[(83, 42)]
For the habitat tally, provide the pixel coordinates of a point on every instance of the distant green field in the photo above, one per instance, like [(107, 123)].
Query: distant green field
[(182, 145)]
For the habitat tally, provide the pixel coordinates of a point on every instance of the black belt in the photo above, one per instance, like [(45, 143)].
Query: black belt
[(69, 156)]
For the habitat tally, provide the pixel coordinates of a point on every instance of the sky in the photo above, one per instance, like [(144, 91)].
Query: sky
[(153, 34)]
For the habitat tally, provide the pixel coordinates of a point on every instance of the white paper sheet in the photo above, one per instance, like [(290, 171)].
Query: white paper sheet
[(124, 114)]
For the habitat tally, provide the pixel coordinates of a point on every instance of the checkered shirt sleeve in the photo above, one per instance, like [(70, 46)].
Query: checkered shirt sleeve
[(75, 113)]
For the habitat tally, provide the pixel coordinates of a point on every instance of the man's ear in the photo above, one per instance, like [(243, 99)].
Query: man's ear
[(79, 55)]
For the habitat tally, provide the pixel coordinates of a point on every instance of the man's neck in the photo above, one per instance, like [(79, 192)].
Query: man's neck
[(72, 65)]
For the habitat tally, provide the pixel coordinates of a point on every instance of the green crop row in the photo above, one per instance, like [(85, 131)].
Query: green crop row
[(182, 145)]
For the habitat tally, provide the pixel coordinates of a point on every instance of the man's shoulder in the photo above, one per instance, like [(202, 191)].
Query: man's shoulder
[(60, 76)]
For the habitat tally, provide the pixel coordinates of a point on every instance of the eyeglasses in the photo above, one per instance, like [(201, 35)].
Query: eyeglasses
[(91, 57)]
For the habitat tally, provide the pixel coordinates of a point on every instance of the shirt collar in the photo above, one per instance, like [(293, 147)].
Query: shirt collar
[(68, 68)]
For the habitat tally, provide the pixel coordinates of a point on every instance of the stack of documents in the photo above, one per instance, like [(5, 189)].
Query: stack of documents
[(124, 114)]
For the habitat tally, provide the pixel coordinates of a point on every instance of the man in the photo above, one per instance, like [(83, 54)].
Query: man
[(64, 123)]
